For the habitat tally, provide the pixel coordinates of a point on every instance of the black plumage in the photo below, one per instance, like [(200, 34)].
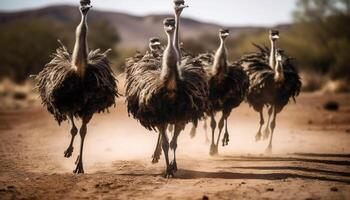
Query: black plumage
[(263, 90), (152, 104), (63, 91), (265, 87), (77, 85), (228, 85), (159, 92)]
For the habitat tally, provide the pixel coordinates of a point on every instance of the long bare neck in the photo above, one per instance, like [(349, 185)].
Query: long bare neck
[(279, 73), (177, 37), (272, 61), (170, 72), (220, 60), (80, 52)]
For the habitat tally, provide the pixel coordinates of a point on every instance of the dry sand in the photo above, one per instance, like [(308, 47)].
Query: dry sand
[(118, 150)]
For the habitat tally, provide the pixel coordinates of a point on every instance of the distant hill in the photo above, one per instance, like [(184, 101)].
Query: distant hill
[(134, 30)]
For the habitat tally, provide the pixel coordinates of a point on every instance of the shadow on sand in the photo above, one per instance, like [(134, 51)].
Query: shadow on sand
[(190, 174), (342, 177), (283, 159)]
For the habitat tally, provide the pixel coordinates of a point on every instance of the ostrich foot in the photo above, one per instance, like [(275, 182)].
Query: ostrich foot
[(173, 166), (213, 150), (169, 173), (266, 133), (258, 137), (225, 140), (193, 132), (68, 152), (79, 166), (268, 149), (156, 156)]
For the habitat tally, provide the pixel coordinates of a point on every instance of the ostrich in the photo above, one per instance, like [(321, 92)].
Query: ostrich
[(273, 81), (162, 93), (77, 85), (155, 51), (228, 84)]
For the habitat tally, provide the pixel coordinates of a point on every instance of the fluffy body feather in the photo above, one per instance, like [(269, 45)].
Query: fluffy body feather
[(263, 90), (150, 102), (63, 92), (226, 91)]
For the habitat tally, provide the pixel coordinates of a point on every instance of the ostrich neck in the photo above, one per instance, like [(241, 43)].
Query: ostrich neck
[(80, 52), (279, 74), (272, 61), (170, 72), (176, 39), (220, 60)]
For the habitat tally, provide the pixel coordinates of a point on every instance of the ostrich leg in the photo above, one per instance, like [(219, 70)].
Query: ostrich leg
[(221, 126), (267, 130), (83, 130), (213, 147), (226, 138), (272, 126), (173, 144), (73, 132), (194, 128), (258, 134), (205, 126), (158, 150), (165, 147)]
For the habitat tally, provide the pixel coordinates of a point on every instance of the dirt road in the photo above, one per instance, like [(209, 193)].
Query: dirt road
[(310, 160)]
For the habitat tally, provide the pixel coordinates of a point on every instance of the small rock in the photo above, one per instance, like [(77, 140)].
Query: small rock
[(310, 121), (347, 131), (243, 182), (331, 106), (10, 187), (334, 189), (84, 189), (269, 189), (205, 198)]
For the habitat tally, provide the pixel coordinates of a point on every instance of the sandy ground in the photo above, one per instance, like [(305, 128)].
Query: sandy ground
[(310, 160)]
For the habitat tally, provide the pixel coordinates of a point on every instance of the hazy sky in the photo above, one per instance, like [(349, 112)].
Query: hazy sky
[(225, 12)]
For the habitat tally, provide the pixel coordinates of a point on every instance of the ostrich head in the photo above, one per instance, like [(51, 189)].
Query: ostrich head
[(179, 6), (274, 35), (154, 43), (223, 33), (169, 25), (85, 6)]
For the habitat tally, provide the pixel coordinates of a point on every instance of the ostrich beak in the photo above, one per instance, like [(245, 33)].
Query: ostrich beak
[(225, 34), (183, 6), (275, 37)]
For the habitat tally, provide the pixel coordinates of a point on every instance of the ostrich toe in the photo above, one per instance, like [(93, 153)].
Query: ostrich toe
[(226, 139), (156, 156), (173, 166), (169, 173), (68, 152), (79, 169)]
